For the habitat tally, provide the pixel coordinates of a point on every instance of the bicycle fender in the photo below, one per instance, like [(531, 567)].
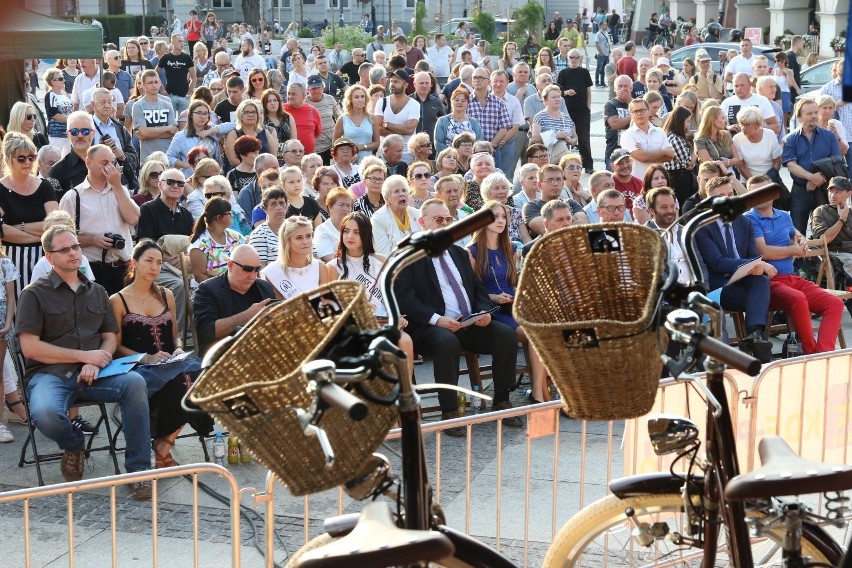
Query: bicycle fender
[(650, 483), (473, 552)]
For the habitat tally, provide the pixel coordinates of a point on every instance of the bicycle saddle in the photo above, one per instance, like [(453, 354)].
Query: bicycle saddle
[(784, 473), (376, 542)]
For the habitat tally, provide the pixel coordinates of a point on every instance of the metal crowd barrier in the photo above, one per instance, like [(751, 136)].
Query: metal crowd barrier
[(551, 470)]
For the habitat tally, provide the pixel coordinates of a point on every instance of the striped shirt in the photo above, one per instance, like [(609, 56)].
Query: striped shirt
[(492, 117)]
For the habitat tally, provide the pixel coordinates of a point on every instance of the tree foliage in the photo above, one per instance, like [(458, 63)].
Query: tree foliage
[(350, 36), (251, 12), (529, 20), (486, 25), (419, 19)]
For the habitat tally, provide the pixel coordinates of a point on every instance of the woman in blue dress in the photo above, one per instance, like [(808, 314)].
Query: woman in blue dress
[(495, 262), (356, 124)]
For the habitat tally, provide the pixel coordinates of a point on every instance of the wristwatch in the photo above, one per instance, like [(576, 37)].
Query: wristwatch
[(385, 124)]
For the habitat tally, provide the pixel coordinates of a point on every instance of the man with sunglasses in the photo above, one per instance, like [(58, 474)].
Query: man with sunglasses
[(71, 169), (103, 212), (166, 216), (226, 302)]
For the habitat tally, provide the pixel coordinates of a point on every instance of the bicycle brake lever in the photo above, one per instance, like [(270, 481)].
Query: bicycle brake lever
[(310, 429)]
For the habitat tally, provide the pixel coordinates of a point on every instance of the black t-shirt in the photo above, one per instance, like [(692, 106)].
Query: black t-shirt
[(613, 107), (310, 209), (240, 179), (351, 71), (156, 220), (19, 208), (177, 73), (579, 80), (224, 110)]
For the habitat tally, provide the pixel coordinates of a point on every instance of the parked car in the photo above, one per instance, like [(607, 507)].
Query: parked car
[(815, 77), (713, 50)]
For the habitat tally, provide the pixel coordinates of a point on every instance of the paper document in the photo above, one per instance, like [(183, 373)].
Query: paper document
[(471, 319), (743, 270), (120, 366), (175, 359)]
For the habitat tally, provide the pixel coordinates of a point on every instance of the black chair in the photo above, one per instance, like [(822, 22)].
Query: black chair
[(37, 458)]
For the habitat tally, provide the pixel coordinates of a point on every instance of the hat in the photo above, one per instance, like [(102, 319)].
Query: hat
[(399, 73), (569, 21), (664, 61), (841, 183), (343, 141), (618, 154), (315, 81), (703, 56)]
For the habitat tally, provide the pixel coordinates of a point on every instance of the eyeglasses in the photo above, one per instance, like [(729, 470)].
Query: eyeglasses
[(213, 194), (420, 176), (294, 151), (475, 77), (573, 57), (375, 179), (573, 167), (615, 208), (201, 113), (217, 89), (80, 131), (553, 180), (426, 145), (638, 111), (154, 175), (29, 116), (26, 158), (258, 80), (66, 250), (441, 219), (248, 268), (250, 112), (540, 157), (465, 145), (175, 182)]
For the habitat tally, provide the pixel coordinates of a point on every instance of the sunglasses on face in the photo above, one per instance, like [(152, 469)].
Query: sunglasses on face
[(441, 219), (154, 175), (248, 268), (216, 89), (257, 80), (66, 250), (175, 182), (26, 158), (29, 116), (214, 194), (79, 131), (420, 176)]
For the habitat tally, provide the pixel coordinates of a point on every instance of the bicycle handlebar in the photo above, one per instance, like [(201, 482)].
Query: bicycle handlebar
[(728, 355), (336, 396)]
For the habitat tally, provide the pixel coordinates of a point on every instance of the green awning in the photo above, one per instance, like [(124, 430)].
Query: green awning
[(29, 35)]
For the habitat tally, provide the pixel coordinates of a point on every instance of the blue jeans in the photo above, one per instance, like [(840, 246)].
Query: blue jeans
[(600, 76), (50, 397), (503, 157), (802, 202), (180, 104)]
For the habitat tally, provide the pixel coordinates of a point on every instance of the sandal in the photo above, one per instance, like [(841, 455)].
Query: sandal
[(12, 416), (165, 461)]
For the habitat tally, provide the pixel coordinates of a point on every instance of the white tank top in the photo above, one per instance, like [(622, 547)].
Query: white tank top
[(781, 81), (294, 281), (355, 271)]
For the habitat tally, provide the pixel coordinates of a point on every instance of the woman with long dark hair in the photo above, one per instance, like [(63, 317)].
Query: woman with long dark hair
[(148, 324), (681, 167), (278, 120), (655, 176), (493, 259)]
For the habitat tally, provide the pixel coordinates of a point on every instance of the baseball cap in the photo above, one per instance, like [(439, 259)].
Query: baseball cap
[(618, 154), (664, 61), (399, 73), (703, 56), (315, 81), (841, 183)]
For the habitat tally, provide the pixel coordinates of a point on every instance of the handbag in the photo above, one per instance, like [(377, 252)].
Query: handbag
[(783, 201), (560, 148)]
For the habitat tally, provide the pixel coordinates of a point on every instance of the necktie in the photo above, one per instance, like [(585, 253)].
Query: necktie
[(729, 241), (454, 285)]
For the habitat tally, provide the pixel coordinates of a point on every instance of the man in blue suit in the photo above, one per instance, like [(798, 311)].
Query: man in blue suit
[(724, 247)]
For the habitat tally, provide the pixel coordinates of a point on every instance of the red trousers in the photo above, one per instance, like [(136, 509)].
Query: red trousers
[(800, 298)]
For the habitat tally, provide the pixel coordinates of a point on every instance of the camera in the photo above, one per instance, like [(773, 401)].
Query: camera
[(118, 241)]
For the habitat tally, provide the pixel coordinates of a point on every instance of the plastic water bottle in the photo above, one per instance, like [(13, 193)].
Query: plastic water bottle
[(462, 400), (219, 449), (792, 346), (476, 402), (153, 459), (244, 455)]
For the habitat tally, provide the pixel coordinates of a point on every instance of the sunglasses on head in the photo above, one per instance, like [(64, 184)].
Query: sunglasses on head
[(79, 131), (26, 158), (248, 268)]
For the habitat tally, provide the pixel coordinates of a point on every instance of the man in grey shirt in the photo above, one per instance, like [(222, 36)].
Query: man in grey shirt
[(329, 112), (154, 120), (533, 103)]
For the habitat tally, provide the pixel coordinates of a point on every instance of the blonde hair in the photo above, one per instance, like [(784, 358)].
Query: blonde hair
[(241, 109), (347, 99), (288, 227), (58, 217), (708, 116)]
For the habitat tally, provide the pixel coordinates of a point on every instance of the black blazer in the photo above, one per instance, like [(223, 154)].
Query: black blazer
[(130, 167), (419, 292)]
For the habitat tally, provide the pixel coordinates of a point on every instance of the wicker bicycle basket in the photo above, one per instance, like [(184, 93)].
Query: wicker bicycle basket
[(586, 300), (256, 385)]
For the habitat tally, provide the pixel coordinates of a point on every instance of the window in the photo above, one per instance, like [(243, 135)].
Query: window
[(283, 4), (223, 3), (335, 4), (409, 3)]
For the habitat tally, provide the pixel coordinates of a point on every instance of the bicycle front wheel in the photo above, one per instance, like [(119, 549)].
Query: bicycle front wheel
[(600, 535)]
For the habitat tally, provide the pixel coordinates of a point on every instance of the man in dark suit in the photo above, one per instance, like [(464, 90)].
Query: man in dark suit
[(433, 294), (722, 258), (228, 301)]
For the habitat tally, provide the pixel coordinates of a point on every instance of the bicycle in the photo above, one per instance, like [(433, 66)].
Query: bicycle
[(416, 532), (661, 37)]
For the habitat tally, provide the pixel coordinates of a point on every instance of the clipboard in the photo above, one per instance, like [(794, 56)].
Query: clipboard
[(471, 319), (743, 270), (120, 366)]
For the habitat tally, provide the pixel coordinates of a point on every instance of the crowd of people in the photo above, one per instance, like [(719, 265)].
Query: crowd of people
[(261, 176)]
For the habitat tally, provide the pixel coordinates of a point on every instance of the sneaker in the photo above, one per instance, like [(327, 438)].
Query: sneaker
[(5, 435), (72, 465), (140, 490), (82, 424)]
